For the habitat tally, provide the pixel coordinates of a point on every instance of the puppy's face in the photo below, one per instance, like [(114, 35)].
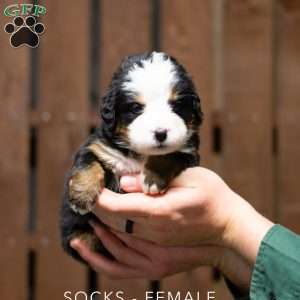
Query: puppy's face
[(157, 109)]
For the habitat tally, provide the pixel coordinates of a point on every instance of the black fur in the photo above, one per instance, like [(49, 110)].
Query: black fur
[(120, 109)]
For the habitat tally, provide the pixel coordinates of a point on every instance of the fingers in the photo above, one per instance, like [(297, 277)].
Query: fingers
[(101, 264), (188, 178), (131, 183), (137, 205), (140, 230), (149, 234), (112, 222), (126, 205), (179, 257), (145, 247), (155, 261), (121, 252), (140, 208), (119, 223)]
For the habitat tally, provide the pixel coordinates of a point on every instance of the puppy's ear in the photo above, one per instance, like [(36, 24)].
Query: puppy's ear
[(108, 112)]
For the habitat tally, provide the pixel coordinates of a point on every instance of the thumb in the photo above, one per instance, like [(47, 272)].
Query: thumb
[(131, 183), (188, 178)]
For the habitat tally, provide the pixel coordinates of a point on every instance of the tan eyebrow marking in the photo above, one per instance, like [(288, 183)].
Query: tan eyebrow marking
[(173, 95), (139, 98)]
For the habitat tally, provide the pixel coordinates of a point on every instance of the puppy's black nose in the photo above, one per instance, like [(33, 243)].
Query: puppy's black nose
[(160, 135)]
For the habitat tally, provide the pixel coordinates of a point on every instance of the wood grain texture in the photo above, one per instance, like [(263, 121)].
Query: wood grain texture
[(248, 108), (125, 30), (14, 172), (288, 112), (63, 109)]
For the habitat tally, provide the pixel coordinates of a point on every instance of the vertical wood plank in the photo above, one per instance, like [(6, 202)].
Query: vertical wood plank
[(125, 30), (248, 108), (186, 34), (14, 132), (288, 112), (62, 109)]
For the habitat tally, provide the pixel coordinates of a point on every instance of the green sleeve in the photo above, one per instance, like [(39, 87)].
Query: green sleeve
[(276, 274)]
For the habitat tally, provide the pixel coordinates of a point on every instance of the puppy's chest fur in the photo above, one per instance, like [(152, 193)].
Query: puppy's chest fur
[(124, 165), (156, 171), (115, 160)]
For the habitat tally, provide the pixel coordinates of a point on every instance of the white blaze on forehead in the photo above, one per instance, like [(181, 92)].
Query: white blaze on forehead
[(153, 80)]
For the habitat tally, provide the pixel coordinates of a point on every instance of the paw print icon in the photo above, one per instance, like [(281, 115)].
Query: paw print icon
[(24, 31)]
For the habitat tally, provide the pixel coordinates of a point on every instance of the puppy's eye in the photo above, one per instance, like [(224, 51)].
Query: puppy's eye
[(133, 107), (184, 106), (136, 107), (183, 102), (178, 105)]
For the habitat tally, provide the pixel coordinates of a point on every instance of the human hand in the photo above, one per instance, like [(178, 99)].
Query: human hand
[(144, 259), (135, 258), (199, 208)]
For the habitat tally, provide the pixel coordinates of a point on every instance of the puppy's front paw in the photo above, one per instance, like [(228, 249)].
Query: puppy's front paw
[(84, 187), (153, 183)]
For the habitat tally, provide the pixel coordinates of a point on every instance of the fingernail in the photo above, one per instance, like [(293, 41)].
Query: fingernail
[(75, 243), (128, 181)]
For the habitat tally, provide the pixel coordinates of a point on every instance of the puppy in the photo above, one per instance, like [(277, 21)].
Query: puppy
[(150, 125)]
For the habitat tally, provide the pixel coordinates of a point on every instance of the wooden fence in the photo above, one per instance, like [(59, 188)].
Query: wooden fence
[(245, 59)]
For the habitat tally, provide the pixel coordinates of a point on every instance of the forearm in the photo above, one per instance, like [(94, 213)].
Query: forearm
[(246, 230)]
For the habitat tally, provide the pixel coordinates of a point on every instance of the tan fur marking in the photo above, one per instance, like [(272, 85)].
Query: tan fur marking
[(139, 99), (102, 152), (173, 95), (97, 149), (84, 186), (114, 159), (122, 131)]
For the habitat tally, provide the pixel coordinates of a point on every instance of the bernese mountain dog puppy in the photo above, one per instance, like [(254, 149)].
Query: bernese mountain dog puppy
[(150, 125)]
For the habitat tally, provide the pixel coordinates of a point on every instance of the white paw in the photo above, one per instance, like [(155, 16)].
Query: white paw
[(79, 210), (150, 188)]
